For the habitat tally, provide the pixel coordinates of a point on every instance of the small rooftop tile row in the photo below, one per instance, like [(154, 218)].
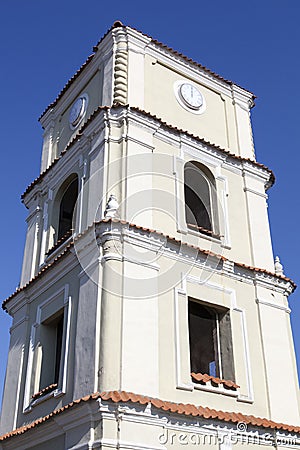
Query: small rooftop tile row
[(205, 378), (118, 24), (171, 407), (66, 249), (164, 124), (44, 391)]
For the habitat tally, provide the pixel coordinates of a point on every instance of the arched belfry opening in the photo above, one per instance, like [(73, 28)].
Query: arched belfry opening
[(200, 197), (66, 202)]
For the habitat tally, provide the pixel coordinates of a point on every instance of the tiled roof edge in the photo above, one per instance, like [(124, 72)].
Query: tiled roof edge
[(38, 275), (204, 378), (208, 143), (139, 227), (172, 407), (154, 41), (189, 60), (206, 252), (76, 75), (77, 135), (152, 116), (68, 84)]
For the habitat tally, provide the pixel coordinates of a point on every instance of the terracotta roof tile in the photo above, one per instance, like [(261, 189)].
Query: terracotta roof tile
[(176, 408), (66, 249), (55, 161), (80, 70), (204, 141), (59, 242), (191, 61), (68, 84), (204, 378), (206, 252), (44, 391), (155, 42), (39, 274), (163, 123)]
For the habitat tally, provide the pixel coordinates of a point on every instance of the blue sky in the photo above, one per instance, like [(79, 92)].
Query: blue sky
[(255, 44)]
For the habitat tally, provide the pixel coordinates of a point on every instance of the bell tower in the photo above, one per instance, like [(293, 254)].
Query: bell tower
[(149, 303)]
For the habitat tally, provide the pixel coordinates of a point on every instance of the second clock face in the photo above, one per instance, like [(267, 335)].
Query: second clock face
[(191, 96), (77, 111)]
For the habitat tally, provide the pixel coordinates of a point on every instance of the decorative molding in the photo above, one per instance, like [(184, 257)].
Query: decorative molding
[(187, 69), (278, 267), (178, 338), (273, 305), (216, 390), (260, 194), (34, 213), (120, 66), (17, 324), (167, 428), (228, 266), (112, 207)]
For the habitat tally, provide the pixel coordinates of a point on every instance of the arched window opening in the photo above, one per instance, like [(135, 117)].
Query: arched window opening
[(66, 209), (199, 193)]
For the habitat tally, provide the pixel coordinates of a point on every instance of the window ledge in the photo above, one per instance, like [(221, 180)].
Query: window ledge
[(42, 396), (204, 231), (209, 383), (44, 391), (57, 248), (197, 231)]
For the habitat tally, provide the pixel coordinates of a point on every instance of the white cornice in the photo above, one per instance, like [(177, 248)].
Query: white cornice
[(188, 254), (273, 305), (118, 116), (169, 424), (37, 287), (137, 40), (188, 69), (243, 97), (67, 163), (255, 171)]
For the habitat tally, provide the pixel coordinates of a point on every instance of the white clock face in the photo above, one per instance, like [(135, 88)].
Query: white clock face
[(191, 96), (77, 111)]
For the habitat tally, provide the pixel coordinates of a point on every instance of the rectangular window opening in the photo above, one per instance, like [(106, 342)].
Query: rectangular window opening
[(51, 342), (210, 340)]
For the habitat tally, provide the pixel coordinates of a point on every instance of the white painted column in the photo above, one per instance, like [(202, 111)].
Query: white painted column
[(31, 259), (47, 152), (258, 222), (45, 227), (282, 382), (12, 398), (111, 317), (242, 103)]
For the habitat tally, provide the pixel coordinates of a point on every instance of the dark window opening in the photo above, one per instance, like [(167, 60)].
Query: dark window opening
[(210, 341), (203, 340), (195, 212), (67, 206), (199, 195), (51, 342)]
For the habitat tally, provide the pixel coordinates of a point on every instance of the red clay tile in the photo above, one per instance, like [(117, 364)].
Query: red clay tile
[(204, 378), (66, 249), (44, 391), (156, 42), (147, 114)]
